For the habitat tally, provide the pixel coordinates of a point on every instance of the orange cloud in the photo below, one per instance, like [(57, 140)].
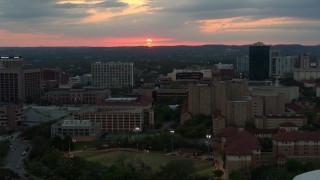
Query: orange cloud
[(246, 24), (134, 7)]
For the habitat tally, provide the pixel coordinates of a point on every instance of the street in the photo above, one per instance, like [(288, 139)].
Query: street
[(14, 157)]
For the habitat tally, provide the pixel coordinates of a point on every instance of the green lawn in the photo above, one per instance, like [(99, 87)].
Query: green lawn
[(155, 161)]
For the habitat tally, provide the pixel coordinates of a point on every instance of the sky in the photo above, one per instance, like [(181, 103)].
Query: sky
[(108, 23)]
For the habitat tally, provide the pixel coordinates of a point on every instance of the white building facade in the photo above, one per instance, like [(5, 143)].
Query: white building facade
[(112, 74)]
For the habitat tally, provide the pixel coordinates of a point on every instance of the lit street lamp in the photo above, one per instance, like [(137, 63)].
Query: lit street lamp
[(172, 133), (137, 129), (208, 136)]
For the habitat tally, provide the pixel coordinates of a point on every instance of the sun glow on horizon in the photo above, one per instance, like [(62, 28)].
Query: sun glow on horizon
[(149, 42)]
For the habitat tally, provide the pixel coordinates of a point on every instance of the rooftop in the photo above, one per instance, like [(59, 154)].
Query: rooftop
[(139, 101), (296, 136), (242, 144), (288, 124)]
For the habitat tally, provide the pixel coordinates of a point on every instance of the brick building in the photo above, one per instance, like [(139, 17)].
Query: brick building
[(297, 145)]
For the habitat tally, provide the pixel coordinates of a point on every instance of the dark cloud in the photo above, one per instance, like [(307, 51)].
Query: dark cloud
[(104, 4), (19, 10), (111, 4), (209, 9)]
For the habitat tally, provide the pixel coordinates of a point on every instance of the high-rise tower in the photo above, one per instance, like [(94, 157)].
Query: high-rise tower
[(259, 57)]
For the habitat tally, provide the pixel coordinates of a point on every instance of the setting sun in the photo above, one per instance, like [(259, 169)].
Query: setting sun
[(149, 42)]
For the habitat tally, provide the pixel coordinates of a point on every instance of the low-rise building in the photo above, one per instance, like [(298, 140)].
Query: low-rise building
[(120, 114), (87, 95), (297, 145), (242, 152), (80, 130), (113, 118), (306, 74), (273, 121)]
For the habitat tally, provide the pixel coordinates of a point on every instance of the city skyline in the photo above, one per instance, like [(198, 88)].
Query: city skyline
[(156, 23)]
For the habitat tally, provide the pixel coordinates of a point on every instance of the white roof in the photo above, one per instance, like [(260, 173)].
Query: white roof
[(312, 175)]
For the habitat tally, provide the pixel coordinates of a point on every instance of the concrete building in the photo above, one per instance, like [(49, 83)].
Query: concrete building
[(238, 113), (75, 80), (267, 103), (86, 79), (242, 66), (225, 71), (290, 92), (201, 99), (306, 74), (11, 62), (282, 65), (273, 121), (259, 57), (303, 62), (237, 89), (80, 130), (206, 98), (10, 115), (112, 74), (54, 74), (190, 74), (220, 97), (86, 95), (19, 84), (218, 122)]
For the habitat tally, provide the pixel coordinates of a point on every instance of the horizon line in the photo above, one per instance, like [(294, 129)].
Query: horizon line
[(153, 46)]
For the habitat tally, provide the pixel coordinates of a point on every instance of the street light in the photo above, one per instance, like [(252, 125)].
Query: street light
[(208, 136), (172, 133), (137, 129)]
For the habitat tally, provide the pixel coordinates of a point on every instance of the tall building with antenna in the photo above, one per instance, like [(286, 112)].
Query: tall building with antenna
[(259, 58)]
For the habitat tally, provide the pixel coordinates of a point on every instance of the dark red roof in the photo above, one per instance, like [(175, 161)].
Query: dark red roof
[(294, 107), (297, 136), (288, 124), (263, 131), (228, 131), (242, 144)]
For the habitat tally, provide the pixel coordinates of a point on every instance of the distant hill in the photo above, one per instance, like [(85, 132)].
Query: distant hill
[(216, 53)]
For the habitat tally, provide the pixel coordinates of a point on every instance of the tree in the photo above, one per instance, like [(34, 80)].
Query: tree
[(235, 175), (266, 143), (8, 174), (249, 125), (218, 173), (177, 170), (309, 113), (4, 148), (197, 126), (294, 166)]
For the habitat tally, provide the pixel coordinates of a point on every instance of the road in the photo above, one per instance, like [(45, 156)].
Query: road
[(14, 157)]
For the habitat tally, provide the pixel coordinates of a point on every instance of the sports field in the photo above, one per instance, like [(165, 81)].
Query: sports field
[(153, 160)]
